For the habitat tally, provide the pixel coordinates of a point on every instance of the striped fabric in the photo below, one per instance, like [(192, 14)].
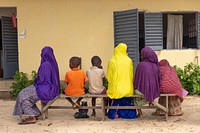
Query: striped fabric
[(169, 79)]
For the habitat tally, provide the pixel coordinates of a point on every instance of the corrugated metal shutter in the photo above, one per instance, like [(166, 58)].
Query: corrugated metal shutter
[(198, 30), (10, 48), (153, 30), (126, 31)]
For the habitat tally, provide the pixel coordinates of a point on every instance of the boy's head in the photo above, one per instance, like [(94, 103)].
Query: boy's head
[(74, 62), (96, 61)]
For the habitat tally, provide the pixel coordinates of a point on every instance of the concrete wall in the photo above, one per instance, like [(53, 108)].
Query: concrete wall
[(82, 28), (180, 57), (6, 11)]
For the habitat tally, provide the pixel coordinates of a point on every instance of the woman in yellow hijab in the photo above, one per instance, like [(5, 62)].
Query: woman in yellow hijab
[(120, 83), (120, 74)]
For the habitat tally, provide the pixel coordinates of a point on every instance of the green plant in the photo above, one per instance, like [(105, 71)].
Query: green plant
[(62, 86), (105, 83), (190, 78), (21, 81)]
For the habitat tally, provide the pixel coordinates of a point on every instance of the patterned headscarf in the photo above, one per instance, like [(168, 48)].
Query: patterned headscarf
[(169, 79)]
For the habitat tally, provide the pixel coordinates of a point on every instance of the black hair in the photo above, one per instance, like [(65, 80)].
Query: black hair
[(95, 60), (75, 61)]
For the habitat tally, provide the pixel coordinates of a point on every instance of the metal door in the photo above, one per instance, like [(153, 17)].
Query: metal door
[(10, 48)]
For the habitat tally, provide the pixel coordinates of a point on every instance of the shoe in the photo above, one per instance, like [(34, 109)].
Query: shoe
[(26, 122), (78, 115)]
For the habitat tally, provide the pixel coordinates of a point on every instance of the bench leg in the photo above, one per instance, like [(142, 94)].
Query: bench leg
[(103, 108), (45, 107), (20, 119), (163, 107), (45, 113), (167, 107)]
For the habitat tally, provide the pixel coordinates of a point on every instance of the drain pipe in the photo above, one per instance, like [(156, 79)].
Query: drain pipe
[(197, 59)]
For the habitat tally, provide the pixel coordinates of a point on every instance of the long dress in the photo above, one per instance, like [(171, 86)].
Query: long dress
[(147, 76), (26, 102), (120, 83), (170, 84), (45, 88), (174, 105)]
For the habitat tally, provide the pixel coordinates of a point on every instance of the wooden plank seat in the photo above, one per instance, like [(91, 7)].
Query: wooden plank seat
[(46, 106)]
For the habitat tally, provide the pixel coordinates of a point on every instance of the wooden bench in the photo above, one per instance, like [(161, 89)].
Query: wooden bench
[(46, 106)]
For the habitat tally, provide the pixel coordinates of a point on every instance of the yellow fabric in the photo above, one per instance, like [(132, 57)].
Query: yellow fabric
[(120, 74)]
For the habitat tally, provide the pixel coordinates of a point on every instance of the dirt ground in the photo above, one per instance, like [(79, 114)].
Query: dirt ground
[(62, 121)]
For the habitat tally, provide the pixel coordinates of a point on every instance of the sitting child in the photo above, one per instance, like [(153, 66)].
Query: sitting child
[(96, 78), (75, 80)]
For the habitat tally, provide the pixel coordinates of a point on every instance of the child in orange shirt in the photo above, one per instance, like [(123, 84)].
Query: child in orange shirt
[(75, 80)]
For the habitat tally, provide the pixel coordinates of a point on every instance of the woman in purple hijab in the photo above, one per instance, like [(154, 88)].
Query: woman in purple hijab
[(147, 76), (45, 88)]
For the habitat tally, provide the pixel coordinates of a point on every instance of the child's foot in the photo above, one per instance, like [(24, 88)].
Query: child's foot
[(106, 114)]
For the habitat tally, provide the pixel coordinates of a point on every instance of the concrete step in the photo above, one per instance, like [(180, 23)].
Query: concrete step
[(6, 83), (5, 91)]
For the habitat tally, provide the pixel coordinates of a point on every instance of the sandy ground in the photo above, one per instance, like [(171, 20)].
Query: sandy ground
[(62, 121)]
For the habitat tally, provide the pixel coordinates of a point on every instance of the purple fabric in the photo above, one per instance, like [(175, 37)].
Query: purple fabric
[(147, 76), (47, 82)]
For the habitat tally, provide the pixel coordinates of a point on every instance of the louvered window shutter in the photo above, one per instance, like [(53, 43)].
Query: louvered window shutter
[(198, 30), (153, 30), (126, 31)]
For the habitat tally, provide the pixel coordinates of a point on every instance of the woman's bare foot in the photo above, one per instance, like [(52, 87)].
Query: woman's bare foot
[(38, 116), (140, 116)]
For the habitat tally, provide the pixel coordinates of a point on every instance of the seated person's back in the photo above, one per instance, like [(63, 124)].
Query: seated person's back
[(75, 78), (96, 76)]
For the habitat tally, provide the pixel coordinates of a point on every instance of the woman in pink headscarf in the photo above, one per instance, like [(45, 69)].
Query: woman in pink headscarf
[(170, 84)]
